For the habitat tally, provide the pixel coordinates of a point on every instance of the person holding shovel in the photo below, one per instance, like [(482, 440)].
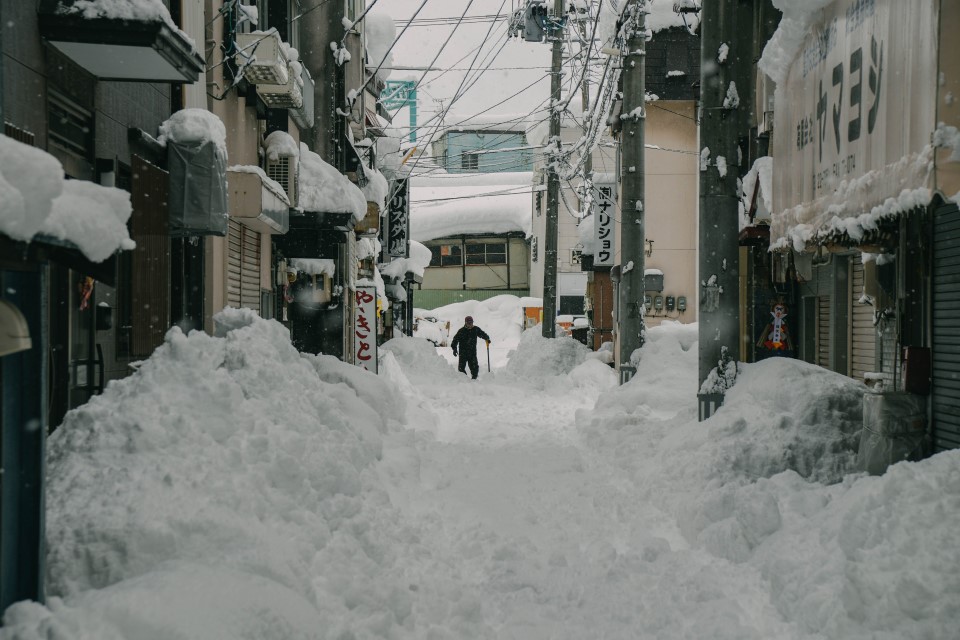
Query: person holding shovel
[(465, 344)]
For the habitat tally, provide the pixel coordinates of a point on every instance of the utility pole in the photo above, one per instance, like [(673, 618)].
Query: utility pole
[(585, 88), (725, 105), (632, 232), (553, 180)]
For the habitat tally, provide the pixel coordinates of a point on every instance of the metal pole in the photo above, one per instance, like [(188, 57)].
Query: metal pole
[(632, 232), (725, 99), (553, 183)]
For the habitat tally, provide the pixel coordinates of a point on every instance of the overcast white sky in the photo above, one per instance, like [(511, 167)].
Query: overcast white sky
[(514, 64)]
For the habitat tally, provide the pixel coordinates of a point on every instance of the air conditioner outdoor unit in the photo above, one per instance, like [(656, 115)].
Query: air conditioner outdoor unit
[(282, 96), (261, 58), (284, 171)]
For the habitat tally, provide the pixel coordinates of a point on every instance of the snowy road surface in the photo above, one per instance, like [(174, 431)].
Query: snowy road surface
[(235, 488)]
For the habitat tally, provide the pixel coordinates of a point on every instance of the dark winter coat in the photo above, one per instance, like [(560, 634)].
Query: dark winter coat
[(465, 340)]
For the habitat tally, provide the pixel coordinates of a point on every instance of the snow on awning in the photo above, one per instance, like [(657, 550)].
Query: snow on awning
[(398, 268), (128, 41), (36, 202), (324, 189)]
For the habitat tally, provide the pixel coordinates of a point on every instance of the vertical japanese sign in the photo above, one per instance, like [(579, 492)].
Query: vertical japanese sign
[(604, 224), (398, 222), (365, 328), (859, 98)]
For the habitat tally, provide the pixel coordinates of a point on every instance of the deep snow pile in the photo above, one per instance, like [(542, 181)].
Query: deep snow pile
[(227, 489), (863, 557), (500, 316)]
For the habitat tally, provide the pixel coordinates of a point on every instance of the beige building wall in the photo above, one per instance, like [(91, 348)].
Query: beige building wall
[(671, 206), (948, 95), (671, 186), (244, 133)]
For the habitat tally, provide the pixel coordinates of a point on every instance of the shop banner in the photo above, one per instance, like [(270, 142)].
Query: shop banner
[(365, 328), (398, 221), (604, 224), (856, 114)]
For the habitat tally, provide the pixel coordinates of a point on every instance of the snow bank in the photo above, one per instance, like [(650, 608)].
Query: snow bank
[(229, 489), (380, 31), (540, 361), (194, 127), (324, 189), (769, 483), (92, 217)]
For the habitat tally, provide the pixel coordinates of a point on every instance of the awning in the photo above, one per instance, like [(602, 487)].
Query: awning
[(43, 248), (118, 49)]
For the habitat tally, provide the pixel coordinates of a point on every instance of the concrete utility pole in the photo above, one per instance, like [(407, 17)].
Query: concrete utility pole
[(726, 101), (553, 182), (632, 232)]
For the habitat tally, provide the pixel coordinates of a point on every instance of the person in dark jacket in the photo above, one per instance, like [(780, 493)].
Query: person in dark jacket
[(465, 342)]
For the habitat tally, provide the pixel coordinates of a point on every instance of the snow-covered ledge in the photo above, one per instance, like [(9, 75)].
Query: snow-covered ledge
[(857, 206), (134, 40)]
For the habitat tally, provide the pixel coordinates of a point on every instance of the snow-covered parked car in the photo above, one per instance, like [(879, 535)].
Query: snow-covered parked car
[(431, 329)]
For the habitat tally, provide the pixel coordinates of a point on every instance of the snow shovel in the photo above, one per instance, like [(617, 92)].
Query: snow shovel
[(488, 356)]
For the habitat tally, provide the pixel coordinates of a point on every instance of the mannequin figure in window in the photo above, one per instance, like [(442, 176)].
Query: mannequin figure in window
[(465, 344)]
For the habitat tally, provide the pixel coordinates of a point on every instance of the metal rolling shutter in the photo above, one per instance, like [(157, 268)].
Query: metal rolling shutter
[(243, 267), (946, 329), (863, 347), (823, 331)]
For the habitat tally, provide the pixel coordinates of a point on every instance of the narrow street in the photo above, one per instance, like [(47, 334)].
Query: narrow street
[(549, 533)]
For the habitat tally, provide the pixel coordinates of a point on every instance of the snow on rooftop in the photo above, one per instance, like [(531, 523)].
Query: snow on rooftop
[(136, 10), (194, 127), (324, 189), (786, 42), (438, 212), (661, 16), (34, 198), (486, 122), (379, 30), (376, 189)]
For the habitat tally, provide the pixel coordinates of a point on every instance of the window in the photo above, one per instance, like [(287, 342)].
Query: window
[(486, 253), (70, 125), (446, 255), (470, 161)]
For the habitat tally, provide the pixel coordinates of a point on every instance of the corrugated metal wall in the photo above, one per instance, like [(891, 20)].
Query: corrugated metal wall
[(946, 329)]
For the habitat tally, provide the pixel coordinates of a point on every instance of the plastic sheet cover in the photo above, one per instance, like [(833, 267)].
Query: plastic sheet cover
[(198, 190), (894, 429)]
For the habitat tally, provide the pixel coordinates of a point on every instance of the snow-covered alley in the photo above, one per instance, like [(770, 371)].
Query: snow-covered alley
[(235, 488)]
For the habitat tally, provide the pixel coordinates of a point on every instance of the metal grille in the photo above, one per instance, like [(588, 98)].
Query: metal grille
[(863, 344), (243, 267), (823, 331), (946, 329), (283, 171)]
